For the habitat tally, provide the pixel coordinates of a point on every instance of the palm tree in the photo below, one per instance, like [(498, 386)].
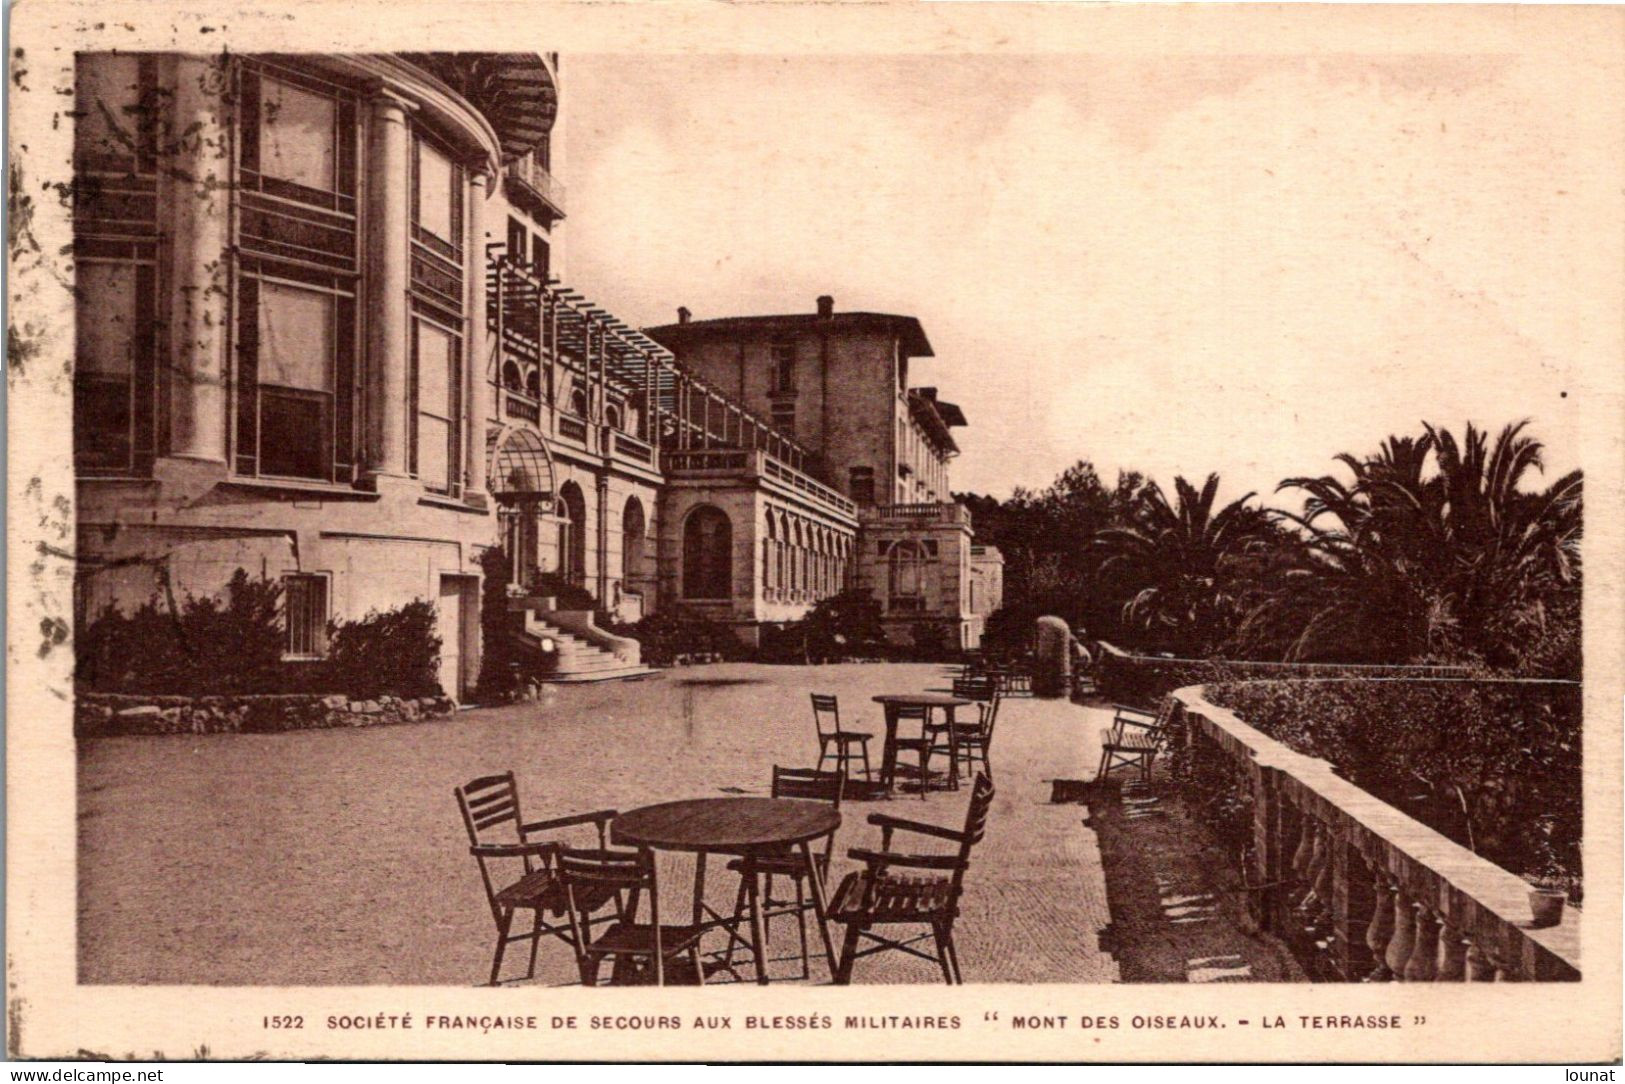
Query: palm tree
[(1173, 557), (1401, 564)]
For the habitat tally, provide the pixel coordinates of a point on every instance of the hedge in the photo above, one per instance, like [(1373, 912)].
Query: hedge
[(1494, 765)]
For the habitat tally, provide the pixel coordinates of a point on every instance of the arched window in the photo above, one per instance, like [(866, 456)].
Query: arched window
[(533, 384), (769, 547), (633, 528), (510, 376), (572, 511), (578, 403), (612, 416), (779, 549), (707, 554), (905, 588)]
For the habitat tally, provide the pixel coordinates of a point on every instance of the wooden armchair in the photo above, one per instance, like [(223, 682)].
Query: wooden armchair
[(590, 875), (498, 839), (927, 894), (835, 743), (1134, 739)]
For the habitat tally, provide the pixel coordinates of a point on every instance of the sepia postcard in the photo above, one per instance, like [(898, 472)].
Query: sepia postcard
[(860, 532)]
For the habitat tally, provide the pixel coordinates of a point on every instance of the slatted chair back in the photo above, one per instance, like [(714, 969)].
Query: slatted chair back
[(591, 873), (826, 709), (912, 713), (981, 803), (809, 783), (490, 808), (989, 711)]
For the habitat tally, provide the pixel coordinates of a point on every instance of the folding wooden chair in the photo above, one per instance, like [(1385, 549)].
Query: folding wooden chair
[(1135, 738), (878, 895), (827, 709), (497, 838), (589, 875), (804, 783)]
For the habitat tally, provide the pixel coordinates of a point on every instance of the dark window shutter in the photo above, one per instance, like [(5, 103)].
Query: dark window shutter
[(344, 392), (249, 117), (248, 354)]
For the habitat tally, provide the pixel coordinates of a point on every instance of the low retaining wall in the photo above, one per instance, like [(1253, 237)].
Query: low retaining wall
[(1142, 680), (1368, 891), (98, 715)]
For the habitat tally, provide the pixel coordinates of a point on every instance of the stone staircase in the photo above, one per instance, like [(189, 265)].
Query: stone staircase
[(578, 659)]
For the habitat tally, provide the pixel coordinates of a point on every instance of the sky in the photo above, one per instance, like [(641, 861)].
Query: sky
[(1176, 264)]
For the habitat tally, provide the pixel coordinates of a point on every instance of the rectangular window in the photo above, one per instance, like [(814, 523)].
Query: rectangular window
[(435, 353), (784, 366), (861, 485), (298, 135), (112, 347), (543, 260), (114, 124), (296, 336), (517, 237), (304, 604), (784, 418), (438, 184)]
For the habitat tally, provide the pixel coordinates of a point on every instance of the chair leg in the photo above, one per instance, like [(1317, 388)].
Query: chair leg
[(535, 943), (699, 972), (503, 922), (758, 936), (942, 953), (589, 965), (925, 771), (867, 775), (849, 953), (953, 956)]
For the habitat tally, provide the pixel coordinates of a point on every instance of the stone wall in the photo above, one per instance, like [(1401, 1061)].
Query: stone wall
[(100, 715)]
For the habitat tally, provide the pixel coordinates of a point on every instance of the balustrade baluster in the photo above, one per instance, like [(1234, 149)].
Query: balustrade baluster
[(1403, 942), (1424, 962), (1452, 954), (1317, 860), (1479, 967), (1306, 845), (1325, 905), (1381, 930)]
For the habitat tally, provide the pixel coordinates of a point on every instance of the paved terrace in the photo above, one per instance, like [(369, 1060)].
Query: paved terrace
[(337, 856)]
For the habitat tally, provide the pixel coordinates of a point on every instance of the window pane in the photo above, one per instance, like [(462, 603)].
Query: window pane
[(434, 434), (296, 337), (305, 605), (105, 337), (434, 370), (293, 435), (296, 135), (107, 87), (434, 192)]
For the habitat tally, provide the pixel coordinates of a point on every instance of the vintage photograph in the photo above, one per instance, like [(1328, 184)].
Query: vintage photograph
[(689, 518)]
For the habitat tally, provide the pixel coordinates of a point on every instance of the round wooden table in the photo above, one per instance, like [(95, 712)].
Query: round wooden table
[(742, 826), (930, 702)]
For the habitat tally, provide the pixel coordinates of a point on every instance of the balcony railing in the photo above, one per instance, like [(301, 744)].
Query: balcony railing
[(1359, 888), (630, 447), (751, 463), (542, 184), (523, 407), (931, 514)]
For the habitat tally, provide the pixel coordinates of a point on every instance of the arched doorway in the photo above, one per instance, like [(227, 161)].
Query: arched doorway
[(906, 579), (572, 510), (521, 482), (707, 554), (633, 529)]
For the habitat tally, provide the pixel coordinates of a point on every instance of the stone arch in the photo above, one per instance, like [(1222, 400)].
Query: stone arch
[(707, 553), (572, 511)]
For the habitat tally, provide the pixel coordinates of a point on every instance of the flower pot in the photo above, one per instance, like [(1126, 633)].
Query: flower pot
[(1546, 905)]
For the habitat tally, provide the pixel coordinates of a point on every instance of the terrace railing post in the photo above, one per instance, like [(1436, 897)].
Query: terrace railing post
[(1271, 825), (1351, 901), (1452, 953), (1403, 941), (1381, 929), (1424, 962)]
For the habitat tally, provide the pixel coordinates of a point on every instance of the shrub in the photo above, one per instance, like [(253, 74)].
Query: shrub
[(392, 653), (666, 635), (1143, 680), (565, 595), (930, 641), (209, 645), (1494, 765)]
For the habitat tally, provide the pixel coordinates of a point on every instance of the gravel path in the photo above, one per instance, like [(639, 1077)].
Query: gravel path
[(338, 857)]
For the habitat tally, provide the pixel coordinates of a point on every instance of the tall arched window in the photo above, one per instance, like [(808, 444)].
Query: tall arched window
[(769, 547), (905, 588), (633, 528), (572, 533), (707, 554)]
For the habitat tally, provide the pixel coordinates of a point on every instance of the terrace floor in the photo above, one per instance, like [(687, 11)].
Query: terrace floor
[(338, 856)]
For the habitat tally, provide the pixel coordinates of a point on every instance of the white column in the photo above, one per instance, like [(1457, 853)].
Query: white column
[(389, 179), (201, 175), (479, 392)]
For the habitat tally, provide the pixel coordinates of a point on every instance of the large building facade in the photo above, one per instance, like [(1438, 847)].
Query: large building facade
[(323, 336)]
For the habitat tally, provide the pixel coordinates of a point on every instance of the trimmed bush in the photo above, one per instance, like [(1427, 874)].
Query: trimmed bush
[(396, 652), (565, 595), (1143, 680), (1494, 765), (671, 634)]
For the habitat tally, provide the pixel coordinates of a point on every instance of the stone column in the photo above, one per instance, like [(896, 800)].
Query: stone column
[(389, 180), (479, 347), (199, 169)]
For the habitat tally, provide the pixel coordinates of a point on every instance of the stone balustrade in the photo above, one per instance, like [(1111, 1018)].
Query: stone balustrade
[(1359, 890)]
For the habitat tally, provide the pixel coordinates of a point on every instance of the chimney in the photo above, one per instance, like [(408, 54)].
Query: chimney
[(683, 314), (826, 307)]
